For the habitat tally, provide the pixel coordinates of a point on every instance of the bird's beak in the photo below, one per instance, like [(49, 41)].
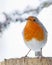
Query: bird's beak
[(26, 19)]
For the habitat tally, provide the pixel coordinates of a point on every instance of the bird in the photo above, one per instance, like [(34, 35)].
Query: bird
[(35, 35)]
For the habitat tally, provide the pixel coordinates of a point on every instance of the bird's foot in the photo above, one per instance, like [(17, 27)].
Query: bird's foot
[(25, 56), (40, 57)]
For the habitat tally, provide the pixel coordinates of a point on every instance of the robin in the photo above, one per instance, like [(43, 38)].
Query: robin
[(35, 35)]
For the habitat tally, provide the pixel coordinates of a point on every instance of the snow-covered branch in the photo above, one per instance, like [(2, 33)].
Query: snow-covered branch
[(17, 16)]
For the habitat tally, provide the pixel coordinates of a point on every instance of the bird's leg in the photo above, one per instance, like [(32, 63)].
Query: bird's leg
[(27, 53), (39, 54)]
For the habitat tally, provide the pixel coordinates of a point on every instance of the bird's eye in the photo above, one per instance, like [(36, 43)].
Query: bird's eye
[(34, 20)]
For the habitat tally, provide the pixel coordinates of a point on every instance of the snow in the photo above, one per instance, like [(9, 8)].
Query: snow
[(11, 43)]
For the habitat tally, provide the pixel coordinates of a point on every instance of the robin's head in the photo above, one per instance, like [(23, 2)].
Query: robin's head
[(32, 18)]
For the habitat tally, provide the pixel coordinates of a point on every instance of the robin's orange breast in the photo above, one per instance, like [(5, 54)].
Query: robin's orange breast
[(33, 30)]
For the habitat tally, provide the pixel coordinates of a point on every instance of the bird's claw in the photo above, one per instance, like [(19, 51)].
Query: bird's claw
[(40, 57)]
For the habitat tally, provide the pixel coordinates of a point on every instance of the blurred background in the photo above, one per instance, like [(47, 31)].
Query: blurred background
[(12, 21)]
